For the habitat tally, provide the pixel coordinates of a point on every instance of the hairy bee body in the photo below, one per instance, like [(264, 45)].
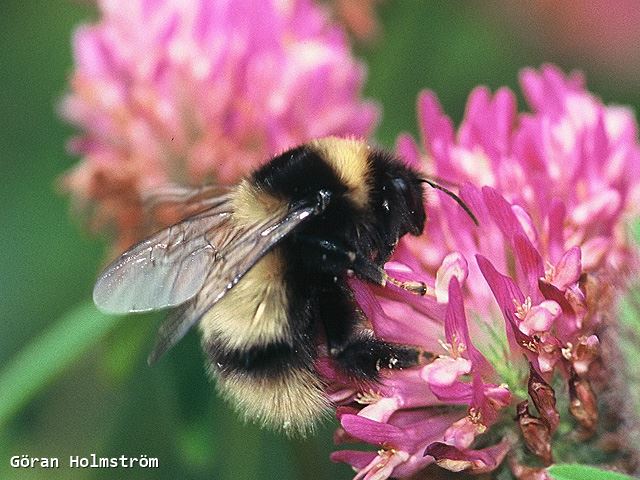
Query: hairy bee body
[(261, 351), (292, 234), (261, 337)]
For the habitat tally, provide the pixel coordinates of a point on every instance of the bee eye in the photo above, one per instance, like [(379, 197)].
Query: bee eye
[(400, 184)]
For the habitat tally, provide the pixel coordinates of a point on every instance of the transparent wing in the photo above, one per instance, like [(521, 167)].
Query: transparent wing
[(190, 200), (247, 247), (168, 268), (169, 203)]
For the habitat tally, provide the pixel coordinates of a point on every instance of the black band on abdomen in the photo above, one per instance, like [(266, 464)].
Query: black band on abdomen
[(266, 361)]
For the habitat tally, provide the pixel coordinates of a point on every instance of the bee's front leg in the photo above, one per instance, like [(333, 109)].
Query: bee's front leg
[(331, 256)]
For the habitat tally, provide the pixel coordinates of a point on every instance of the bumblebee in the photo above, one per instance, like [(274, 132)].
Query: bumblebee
[(262, 269)]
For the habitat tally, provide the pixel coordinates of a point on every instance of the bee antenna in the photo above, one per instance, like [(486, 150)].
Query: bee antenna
[(458, 200)]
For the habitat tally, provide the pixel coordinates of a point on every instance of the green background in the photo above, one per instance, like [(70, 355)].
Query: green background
[(102, 397)]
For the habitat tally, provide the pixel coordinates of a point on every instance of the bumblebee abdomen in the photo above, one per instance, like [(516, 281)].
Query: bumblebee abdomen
[(292, 401), (273, 383), (254, 312), (262, 360)]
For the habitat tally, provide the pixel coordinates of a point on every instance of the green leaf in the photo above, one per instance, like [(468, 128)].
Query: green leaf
[(583, 472), (49, 354)]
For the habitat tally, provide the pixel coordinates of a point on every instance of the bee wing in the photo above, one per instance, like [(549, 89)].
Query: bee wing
[(237, 258), (169, 204), (190, 200), (168, 268)]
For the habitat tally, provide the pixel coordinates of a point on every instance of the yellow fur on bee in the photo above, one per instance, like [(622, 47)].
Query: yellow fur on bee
[(349, 159), (293, 402)]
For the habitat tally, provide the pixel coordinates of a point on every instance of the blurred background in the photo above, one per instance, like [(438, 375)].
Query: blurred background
[(97, 394)]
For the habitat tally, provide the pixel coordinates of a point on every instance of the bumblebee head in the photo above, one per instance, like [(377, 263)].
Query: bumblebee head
[(407, 202), (396, 199)]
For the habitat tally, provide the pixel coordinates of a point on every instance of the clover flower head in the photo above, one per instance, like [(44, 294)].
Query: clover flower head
[(187, 92), (515, 305)]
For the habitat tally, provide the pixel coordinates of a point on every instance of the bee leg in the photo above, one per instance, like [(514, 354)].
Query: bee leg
[(336, 259), (363, 356), (331, 256), (356, 351), (417, 288)]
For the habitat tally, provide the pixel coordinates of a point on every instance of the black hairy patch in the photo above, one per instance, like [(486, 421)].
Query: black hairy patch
[(297, 174), (266, 361), (363, 357), (397, 200)]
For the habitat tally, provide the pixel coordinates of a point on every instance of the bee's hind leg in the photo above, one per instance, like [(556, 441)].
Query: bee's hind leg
[(354, 349), (363, 356)]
